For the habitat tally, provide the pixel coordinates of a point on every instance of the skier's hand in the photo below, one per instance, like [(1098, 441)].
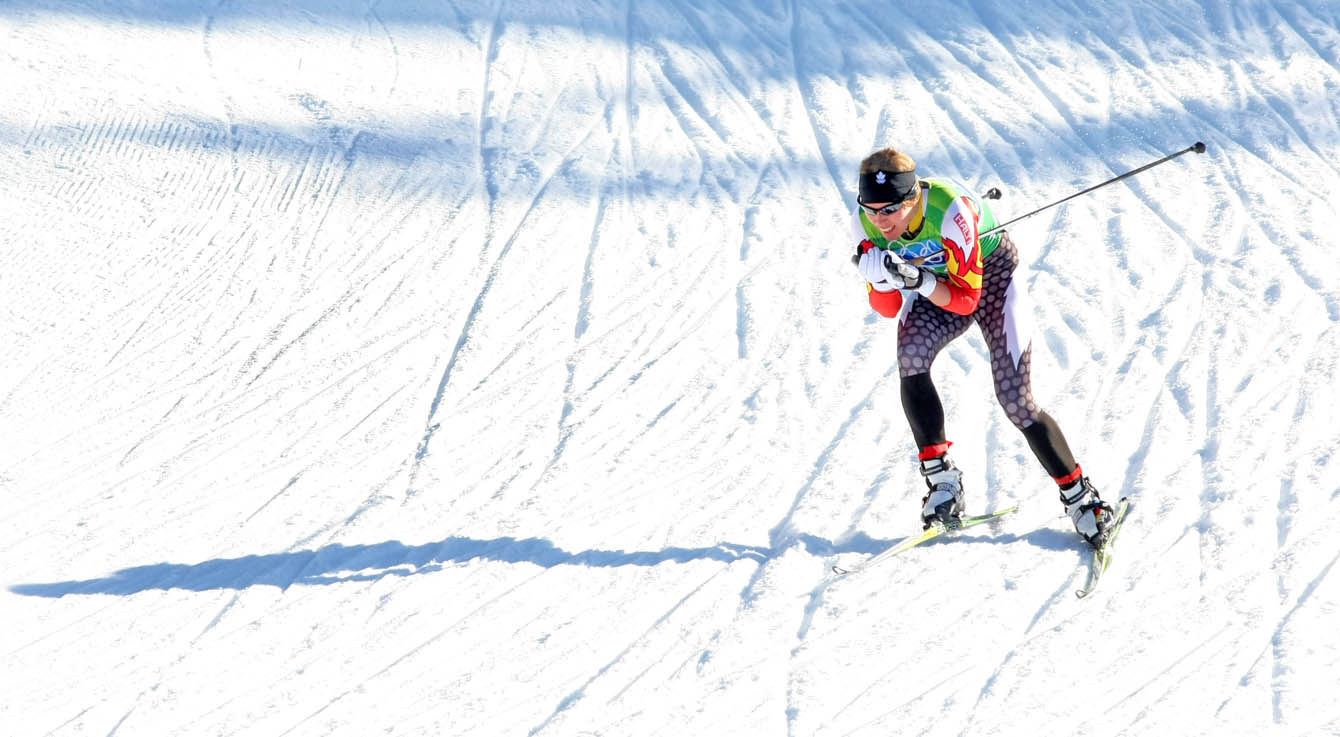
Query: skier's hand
[(917, 278), (871, 264), (886, 272)]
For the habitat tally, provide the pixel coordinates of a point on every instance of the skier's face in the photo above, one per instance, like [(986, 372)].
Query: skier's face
[(890, 218)]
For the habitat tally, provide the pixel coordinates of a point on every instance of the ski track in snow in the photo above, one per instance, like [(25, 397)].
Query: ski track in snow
[(500, 370)]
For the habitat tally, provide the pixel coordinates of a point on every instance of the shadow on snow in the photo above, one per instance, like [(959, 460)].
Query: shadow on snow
[(345, 563)]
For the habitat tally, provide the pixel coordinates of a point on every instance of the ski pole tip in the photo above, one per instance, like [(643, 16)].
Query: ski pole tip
[(1199, 147)]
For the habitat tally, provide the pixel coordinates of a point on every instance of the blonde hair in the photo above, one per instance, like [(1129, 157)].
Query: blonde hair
[(887, 159)]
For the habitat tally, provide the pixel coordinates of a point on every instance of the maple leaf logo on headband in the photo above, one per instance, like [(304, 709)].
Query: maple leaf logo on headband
[(879, 178)]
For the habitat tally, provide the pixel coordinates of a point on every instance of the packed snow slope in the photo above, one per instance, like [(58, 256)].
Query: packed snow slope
[(498, 369)]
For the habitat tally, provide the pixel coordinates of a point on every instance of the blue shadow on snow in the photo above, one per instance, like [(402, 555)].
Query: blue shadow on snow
[(341, 563)]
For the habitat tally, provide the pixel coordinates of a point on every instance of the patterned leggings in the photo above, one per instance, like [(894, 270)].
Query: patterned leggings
[(1003, 315)]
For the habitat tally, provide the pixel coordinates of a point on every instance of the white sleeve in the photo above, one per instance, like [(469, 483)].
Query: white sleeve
[(960, 226)]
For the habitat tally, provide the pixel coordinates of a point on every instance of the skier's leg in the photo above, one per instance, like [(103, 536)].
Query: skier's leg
[(1003, 316), (925, 414), (1087, 510), (1049, 445), (924, 332)]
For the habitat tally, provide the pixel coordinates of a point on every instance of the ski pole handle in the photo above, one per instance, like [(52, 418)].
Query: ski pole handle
[(894, 264)]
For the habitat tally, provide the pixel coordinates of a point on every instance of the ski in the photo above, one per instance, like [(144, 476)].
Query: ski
[(932, 532), (1102, 557)]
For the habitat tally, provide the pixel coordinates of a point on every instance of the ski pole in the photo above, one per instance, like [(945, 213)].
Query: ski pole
[(1198, 147)]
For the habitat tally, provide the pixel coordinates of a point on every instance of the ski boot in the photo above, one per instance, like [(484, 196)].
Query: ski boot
[(1092, 516), (944, 502)]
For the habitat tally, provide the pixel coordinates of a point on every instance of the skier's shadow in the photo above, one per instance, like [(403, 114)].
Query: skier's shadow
[(341, 563), (1045, 538)]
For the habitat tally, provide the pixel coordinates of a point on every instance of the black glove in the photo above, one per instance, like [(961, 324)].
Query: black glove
[(911, 276)]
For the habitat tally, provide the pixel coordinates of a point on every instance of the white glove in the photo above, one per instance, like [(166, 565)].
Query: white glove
[(886, 272), (871, 266)]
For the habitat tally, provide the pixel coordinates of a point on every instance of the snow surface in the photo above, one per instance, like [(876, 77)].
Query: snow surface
[(498, 369)]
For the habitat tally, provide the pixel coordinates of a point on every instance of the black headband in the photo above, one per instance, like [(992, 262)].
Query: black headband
[(888, 186)]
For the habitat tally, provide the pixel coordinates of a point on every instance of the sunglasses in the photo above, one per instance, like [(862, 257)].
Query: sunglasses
[(886, 210)]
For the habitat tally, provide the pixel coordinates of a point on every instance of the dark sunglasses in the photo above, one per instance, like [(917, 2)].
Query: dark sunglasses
[(886, 210)]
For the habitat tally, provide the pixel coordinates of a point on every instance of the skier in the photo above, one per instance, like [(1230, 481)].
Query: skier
[(920, 254)]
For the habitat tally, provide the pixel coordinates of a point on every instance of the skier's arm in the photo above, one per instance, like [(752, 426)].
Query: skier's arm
[(963, 261)]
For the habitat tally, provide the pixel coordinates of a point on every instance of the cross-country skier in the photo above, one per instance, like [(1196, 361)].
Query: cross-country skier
[(919, 252)]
